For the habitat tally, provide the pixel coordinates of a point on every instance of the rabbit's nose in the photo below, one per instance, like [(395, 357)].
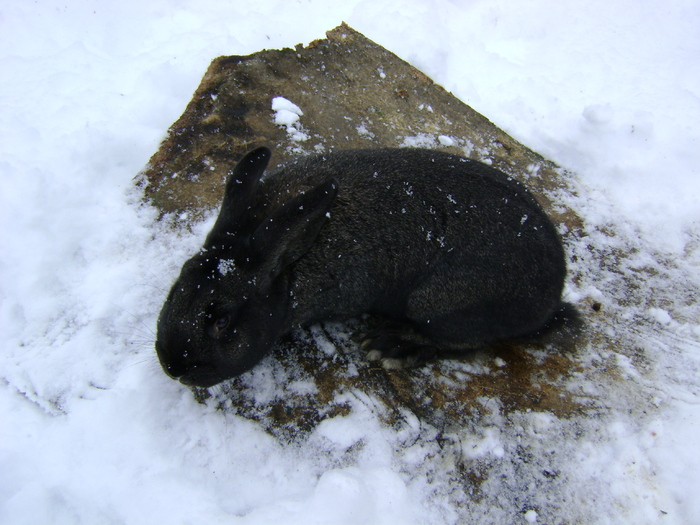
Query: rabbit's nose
[(169, 367)]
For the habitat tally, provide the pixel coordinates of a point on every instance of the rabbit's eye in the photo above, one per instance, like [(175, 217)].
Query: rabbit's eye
[(221, 324)]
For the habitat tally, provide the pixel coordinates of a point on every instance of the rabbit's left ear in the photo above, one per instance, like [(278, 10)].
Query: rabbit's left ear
[(240, 188), (289, 231)]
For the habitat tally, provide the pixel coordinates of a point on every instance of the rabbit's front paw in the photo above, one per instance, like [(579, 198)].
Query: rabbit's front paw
[(394, 352)]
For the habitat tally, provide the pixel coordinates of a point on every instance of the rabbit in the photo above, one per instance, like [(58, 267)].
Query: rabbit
[(451, 252)]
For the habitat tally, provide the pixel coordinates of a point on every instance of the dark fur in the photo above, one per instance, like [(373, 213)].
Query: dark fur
[(455, 252)]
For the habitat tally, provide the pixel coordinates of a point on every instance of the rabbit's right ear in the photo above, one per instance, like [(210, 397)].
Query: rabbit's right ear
[(240, 187), (288, 232)]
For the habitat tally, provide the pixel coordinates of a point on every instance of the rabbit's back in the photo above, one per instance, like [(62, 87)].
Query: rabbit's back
[(424, 234)]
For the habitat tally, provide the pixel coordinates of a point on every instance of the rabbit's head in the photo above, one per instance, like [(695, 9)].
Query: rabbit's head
[(231, 301)]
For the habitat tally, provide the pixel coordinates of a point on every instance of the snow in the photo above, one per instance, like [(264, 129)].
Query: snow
[(94, 432), (446, 141), (286, 112), (530, 516), (287, 116)]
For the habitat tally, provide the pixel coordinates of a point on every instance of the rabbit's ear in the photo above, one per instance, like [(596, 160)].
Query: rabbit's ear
[(291, 229), (240, 187)]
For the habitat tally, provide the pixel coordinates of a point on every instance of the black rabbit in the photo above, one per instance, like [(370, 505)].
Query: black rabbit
[(453, 253)]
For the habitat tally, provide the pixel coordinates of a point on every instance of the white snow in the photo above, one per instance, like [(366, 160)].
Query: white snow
[(286, 112), (421, 140), (93, 431), (287, 116), (530, 516), (446, 140), (364, 132), (227, 266)]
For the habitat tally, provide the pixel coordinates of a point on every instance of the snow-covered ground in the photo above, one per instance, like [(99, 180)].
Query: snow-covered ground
[(93, 432)]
